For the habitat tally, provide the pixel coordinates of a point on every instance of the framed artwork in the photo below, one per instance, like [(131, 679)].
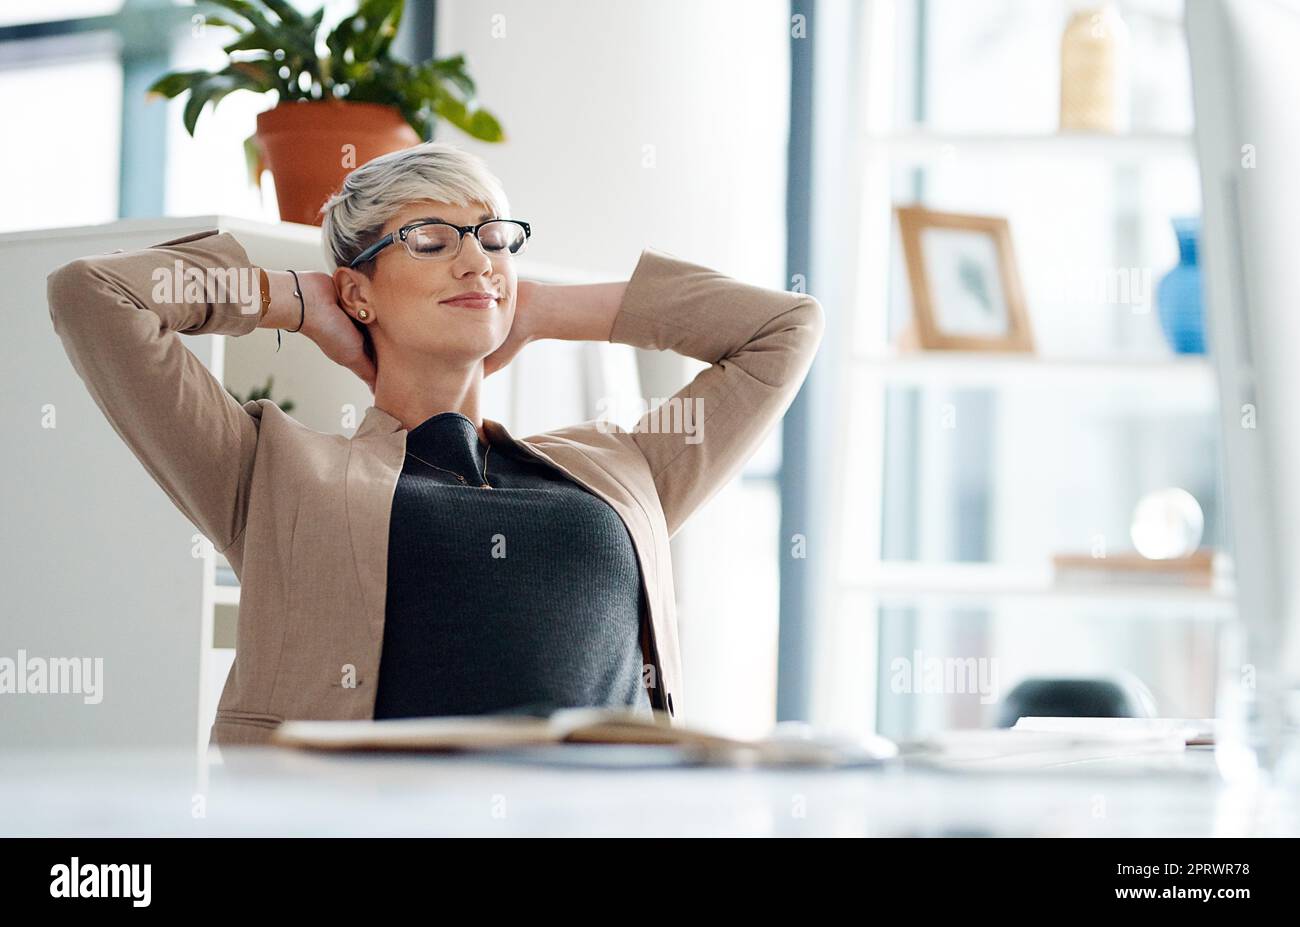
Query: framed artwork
[(966, 293)]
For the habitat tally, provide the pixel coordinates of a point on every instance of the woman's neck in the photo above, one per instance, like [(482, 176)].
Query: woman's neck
[(414, 394)]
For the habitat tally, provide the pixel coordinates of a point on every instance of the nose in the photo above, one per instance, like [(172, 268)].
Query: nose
[(472, 258)]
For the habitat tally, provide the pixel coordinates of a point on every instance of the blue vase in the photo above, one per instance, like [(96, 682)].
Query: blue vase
[(1182, 315)]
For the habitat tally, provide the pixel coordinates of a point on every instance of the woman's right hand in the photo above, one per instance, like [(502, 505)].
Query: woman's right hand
[(324, 321)]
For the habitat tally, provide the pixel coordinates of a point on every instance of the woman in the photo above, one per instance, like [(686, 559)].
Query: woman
[(432, 563)]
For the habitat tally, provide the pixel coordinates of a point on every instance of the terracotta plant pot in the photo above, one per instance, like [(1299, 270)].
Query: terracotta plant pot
[(310, 148)]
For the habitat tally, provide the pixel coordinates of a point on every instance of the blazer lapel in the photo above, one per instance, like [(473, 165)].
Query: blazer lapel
[(374, 464)]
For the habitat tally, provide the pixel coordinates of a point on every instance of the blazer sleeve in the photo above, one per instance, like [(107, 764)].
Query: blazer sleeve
[(119, 318), (759, 342)]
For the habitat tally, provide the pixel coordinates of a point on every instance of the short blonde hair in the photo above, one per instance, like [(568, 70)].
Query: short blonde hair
[(377, 190)]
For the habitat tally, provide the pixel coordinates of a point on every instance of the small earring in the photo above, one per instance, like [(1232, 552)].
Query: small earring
[(363, 314)]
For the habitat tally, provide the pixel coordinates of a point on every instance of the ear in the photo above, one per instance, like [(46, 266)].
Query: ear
[(353, 288)]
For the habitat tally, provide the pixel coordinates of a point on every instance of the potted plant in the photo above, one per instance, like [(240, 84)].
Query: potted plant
[(262, 392), (342, 99)]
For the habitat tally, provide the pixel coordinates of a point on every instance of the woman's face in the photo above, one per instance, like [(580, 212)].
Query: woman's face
[(408, 298)]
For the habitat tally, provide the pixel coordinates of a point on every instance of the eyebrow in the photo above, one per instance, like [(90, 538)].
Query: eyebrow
[(482, 218)]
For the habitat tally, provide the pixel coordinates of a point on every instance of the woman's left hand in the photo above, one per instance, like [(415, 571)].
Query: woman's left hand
[(569, 312), (521, 329)]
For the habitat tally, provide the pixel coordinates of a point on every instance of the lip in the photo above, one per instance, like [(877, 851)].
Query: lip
[(476, 299)]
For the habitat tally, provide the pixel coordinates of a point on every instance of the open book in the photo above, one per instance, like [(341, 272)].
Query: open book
[(573, 726)]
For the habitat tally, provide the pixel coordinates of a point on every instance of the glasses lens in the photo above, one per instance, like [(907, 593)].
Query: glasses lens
[(502, 237), (432, 241)]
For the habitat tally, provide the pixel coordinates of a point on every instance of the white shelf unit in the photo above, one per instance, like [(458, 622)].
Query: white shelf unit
[(975, 368), (980, 583), (863, 581), (923, 147)]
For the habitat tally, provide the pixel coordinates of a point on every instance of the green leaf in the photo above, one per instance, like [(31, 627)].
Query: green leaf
[(388, 16), (453, 69), (177, 82), (291, 35), (262, 73), (465, 115), (255, 17), (337, 40), (253, 40), (285, 11), (211, 19), (485, 127), (464, 84), (226, 6), (212, 90), (369, 32), (199, 96), (443, 65)]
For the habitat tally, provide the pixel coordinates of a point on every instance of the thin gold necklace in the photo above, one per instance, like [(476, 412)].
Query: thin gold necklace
[(484, 485)]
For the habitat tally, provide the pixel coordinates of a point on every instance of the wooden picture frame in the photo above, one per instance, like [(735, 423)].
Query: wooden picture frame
[(977, 305)]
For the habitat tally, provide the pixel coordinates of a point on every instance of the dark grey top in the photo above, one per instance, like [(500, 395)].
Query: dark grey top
[(523, 597)]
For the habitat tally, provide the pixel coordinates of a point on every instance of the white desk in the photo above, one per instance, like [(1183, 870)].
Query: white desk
[(272, 792)]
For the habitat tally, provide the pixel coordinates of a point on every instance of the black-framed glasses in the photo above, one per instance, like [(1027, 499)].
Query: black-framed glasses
[(427, 240)]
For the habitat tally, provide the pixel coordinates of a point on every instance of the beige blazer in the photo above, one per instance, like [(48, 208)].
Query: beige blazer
[(303, 516)]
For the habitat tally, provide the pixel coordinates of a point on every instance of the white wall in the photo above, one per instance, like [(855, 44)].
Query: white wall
[(636, 123)]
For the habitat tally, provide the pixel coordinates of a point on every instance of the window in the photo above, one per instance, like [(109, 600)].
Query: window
[(75, 179)]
